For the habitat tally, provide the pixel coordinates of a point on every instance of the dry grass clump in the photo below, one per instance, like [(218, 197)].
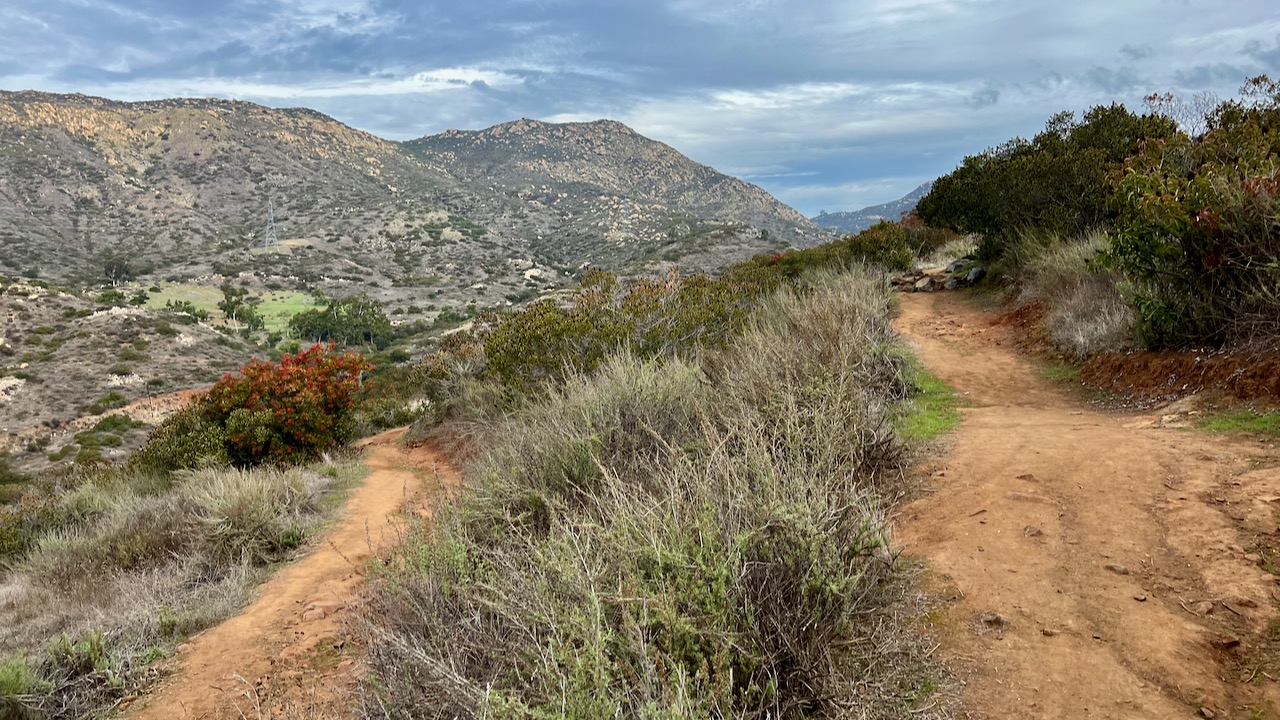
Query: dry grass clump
[(671, 539), (1088, 311), (133, 562), (952, 250)]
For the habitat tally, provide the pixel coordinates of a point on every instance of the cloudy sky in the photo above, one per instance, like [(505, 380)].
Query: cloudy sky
[(827, 104)]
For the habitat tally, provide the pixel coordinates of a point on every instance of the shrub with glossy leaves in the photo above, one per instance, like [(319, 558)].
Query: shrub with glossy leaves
[(287, 412), (282, 413)]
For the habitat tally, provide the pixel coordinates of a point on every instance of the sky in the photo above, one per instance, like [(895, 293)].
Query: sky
[(828, 105)]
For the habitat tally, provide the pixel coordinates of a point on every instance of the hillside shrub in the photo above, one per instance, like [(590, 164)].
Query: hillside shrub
[(883, 244), (252, 517), (652, 317), (1058, 181), (282, 413), (287, 412), (1199, 227), (186, 439)]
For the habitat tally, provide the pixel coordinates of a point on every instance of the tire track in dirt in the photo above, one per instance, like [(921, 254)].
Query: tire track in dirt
[(282, 656), (1094, 559)]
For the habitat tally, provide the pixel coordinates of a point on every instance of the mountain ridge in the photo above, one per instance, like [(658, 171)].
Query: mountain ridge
[(180, 188), (855, 221)]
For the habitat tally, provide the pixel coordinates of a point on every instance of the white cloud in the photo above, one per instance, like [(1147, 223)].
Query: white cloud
[(425, 82)]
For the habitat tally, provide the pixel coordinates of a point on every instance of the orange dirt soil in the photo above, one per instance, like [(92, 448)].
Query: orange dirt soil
[(1097, 564), (284, 655)]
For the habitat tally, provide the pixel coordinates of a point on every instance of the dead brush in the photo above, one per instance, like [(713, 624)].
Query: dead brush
[(1088, 310)]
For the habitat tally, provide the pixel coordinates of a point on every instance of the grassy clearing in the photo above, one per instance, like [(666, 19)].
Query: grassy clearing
[(1243, 421), (277, 307), (124, 564), (934, 410), (671, 538)]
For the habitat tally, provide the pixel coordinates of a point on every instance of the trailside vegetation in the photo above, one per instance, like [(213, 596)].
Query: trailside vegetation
[(1187, 214), (679, 488), (276, 413), (699, 534)]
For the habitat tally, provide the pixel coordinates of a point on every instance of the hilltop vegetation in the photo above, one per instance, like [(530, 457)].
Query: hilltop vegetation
[(1133, 229)]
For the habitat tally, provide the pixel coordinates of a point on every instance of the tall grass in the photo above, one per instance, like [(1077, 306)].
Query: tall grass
[(687, 538), (131, 563), (1087, 307)]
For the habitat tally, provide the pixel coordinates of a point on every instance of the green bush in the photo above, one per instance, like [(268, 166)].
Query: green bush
[(884, 244), (113, 297), (1057, 182), (185, 440), (1197, 232), (18, 679), (545, 342)]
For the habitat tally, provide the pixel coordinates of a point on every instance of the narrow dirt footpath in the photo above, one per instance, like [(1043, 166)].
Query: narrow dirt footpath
[(283, 656), (1098, 562)]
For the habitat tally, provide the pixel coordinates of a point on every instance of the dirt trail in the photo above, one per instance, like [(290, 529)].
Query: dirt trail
[(283, 655), (1097, 561)]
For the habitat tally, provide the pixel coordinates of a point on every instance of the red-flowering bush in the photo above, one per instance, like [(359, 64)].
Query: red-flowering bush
[(288, 412), (282, 413)]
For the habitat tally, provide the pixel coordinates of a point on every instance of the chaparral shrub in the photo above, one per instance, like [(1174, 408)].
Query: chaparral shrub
[(280, 413), (287, 412)]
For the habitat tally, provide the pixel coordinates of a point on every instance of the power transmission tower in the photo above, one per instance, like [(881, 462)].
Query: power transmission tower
[(270, 241)]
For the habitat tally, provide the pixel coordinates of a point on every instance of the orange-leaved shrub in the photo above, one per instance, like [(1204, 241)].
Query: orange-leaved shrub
[(278, 413)]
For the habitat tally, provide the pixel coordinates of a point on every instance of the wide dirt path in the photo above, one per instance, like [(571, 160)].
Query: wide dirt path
[(283, 656), (1100, 563)]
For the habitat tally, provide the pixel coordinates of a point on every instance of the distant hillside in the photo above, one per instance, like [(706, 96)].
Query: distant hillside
[(179, 189), (859, 220), (587, 182)]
